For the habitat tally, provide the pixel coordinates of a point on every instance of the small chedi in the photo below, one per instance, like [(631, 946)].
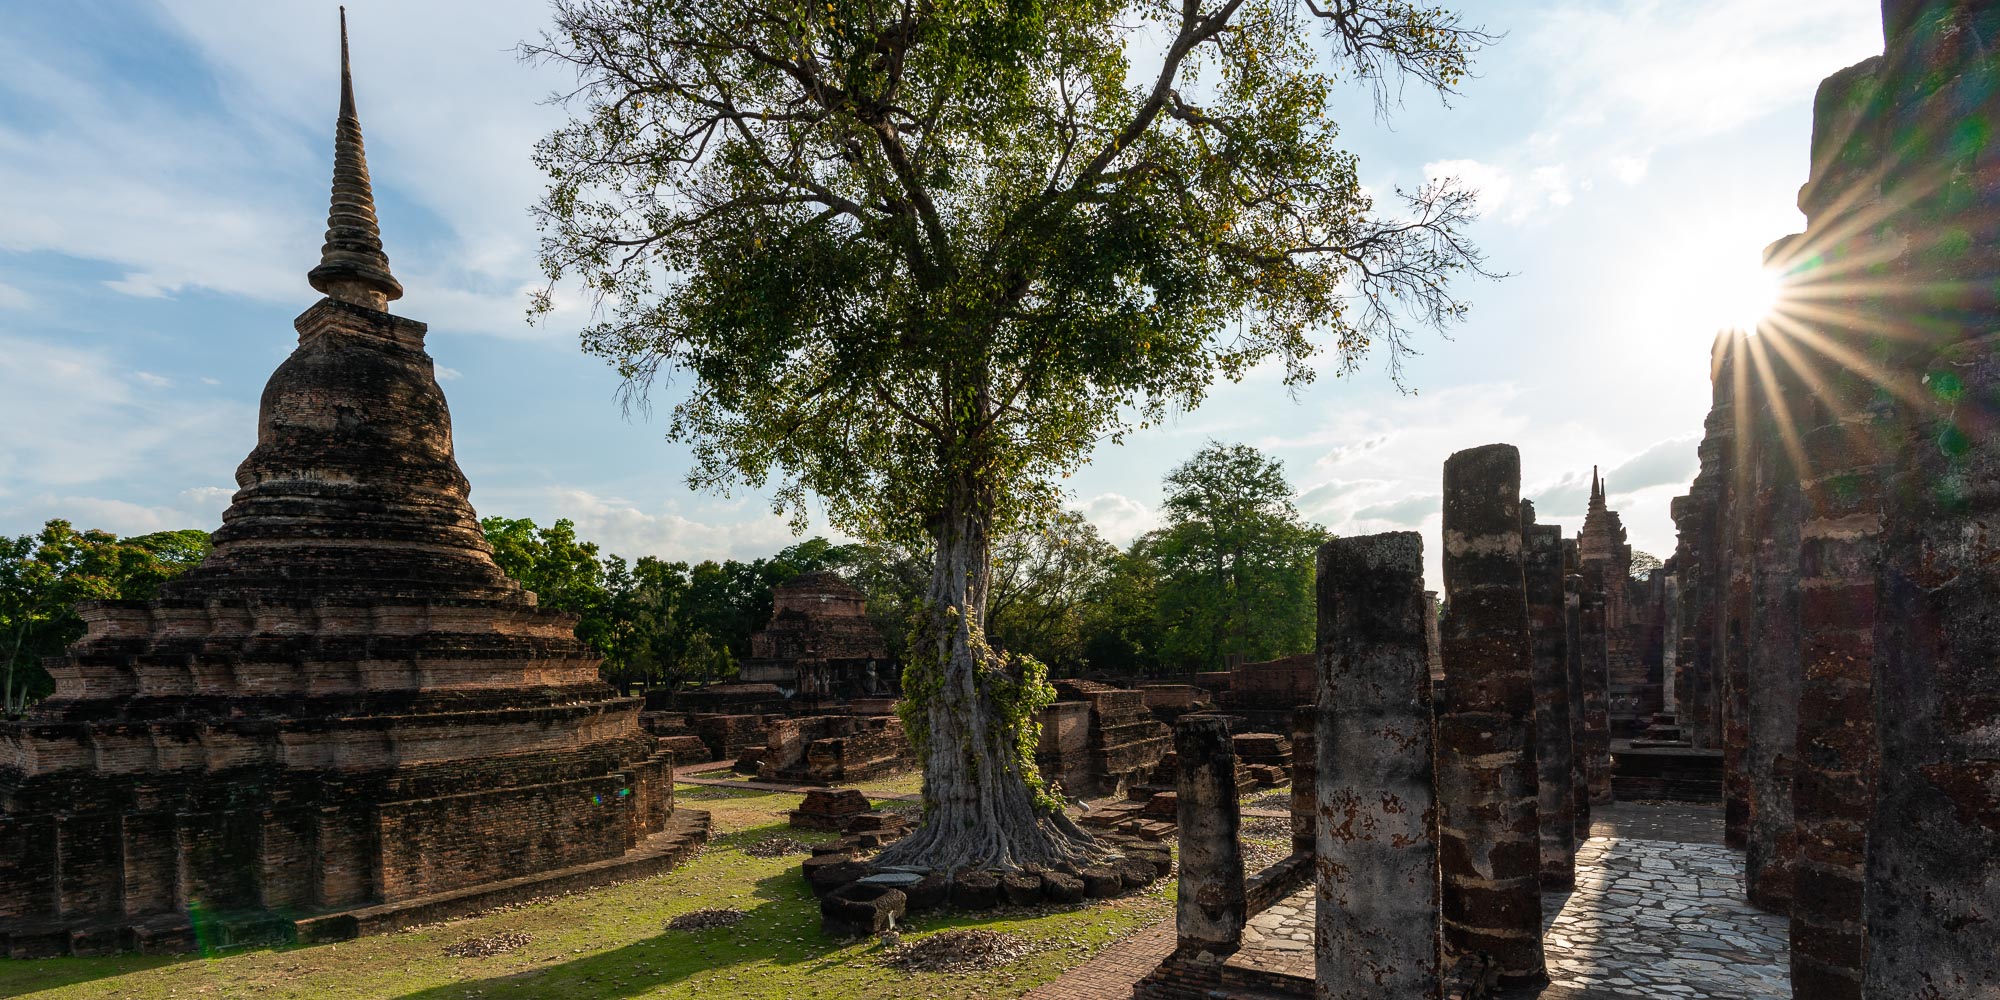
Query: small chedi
[(820, 644), (347, 718)]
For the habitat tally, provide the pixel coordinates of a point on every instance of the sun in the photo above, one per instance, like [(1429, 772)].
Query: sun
[(1746, 298)]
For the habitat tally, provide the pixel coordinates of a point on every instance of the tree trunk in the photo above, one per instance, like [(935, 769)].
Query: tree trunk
[(979, 811)]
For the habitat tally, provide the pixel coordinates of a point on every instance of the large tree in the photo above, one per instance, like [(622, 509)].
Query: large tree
[(1235, 561), (918, 257)]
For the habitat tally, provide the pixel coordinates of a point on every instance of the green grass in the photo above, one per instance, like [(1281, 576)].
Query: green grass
[(612, 942)]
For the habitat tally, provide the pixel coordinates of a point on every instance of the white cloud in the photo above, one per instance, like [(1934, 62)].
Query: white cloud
[(1623, 79), (199, 507), (623, 527), (1630, 169), (230, 196), (447, 374), (156, 381), (1119, 518), (14, 298), (1672, 72), (82, 425)]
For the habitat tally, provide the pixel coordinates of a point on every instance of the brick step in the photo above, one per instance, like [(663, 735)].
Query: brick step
[(685, 834)]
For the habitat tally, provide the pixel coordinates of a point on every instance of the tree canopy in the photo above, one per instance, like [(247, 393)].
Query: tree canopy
[(1235, 561), (919, 257), (44, 575)]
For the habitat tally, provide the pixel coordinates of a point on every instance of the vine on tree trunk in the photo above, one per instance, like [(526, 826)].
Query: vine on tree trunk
[(1015, 685)]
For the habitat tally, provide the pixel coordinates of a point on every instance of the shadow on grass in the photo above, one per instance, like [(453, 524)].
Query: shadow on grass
[(27, 975), (781, 930)]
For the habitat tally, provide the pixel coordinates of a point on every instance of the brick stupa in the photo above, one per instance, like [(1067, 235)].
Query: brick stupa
[(348, 717)]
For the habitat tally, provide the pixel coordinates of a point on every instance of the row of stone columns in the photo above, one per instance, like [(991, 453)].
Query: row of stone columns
[(1443, 813), (1839, 567)]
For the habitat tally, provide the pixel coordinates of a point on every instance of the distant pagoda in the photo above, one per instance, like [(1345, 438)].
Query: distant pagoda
[(820, 643), (348, 717)]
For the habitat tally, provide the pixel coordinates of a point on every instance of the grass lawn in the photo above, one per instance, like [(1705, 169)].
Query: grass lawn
[(612, 942)]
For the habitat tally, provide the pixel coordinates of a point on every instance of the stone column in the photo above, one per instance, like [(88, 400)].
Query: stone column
[(1305, 779), (1210, 913), (1579, 775), (1771, 750), (1733, 641), (1933, 902), (1670, 647), (1542, 572), (1434, 641), (1489, 837), (1845, 433), (1701, 532), (1377, 919), (1595, 750)]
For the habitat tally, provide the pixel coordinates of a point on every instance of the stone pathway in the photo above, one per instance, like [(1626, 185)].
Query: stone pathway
[(1652, 918), (1665, 919)]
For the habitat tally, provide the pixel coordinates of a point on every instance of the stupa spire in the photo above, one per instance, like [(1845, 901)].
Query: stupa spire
[(352, 266)]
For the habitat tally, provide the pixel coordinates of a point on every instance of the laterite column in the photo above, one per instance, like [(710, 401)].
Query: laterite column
[(1377, 919), (1210, 913), (1489, 837)]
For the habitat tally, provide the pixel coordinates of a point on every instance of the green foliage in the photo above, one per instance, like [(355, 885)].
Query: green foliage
[(661, 623), (1043, 582), (1235, 562), (919, 260), (1119, 622), (902, 250), (44, 575)]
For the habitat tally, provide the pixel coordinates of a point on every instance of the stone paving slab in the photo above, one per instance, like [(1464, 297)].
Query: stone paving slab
[(1653, 918)]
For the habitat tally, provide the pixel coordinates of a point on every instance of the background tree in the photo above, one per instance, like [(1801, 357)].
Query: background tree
[(1043, 581), (1643, 565), (44, 575), (920, 256), (1119, 622), (1235, 562)]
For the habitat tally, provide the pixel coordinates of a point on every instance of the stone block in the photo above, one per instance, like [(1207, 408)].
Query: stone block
[(861, 909)]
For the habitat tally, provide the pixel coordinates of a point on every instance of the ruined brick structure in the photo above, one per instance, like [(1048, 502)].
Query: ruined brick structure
[(1555, 765), (820, 644), (834, 749), (1099, 740), (347, 717), (1486, 779), (1631, 697), (1837, 593)]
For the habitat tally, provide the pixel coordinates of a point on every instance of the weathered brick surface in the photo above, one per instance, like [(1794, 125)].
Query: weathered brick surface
[(1377, 914), (820, 643), (1099, 740), (1932, 907), (1555, 805), (347, 704), (1211, 909), (1486, 782), (835, 749)]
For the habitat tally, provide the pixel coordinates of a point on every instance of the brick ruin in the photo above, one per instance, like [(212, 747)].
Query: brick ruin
[(814, 703), (1819, 652), (1835, 584), (1099, 740), (820, 644), (347, 718), (834, 749)]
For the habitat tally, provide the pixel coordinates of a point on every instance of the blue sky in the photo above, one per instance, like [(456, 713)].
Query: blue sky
[(163, 179)]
